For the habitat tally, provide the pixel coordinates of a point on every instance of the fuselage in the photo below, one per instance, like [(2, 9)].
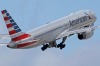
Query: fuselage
[(50, 31)]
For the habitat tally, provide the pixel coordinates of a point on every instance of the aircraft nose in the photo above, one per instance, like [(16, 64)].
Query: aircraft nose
[(94, 16)]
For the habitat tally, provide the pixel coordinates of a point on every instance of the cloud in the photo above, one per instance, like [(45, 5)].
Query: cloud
[(88, 55)]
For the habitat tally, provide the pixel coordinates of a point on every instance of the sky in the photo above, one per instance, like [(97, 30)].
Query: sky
[(30, 14)]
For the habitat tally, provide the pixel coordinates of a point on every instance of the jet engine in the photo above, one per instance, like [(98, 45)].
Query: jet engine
[(85, 35)]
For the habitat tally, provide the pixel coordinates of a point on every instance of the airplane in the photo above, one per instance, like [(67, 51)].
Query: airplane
[(80, 23)]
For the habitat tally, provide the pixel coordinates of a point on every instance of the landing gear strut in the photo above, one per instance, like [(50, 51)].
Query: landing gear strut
[(62, 45), (44, 47)]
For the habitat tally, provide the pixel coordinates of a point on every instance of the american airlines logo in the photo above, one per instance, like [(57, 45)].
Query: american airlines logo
[(78, 20)]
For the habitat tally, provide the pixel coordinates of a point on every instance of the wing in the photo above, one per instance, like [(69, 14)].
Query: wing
[(4, 36), (69, 33)]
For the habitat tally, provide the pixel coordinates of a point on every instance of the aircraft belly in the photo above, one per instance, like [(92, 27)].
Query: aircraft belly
[(50, 36)]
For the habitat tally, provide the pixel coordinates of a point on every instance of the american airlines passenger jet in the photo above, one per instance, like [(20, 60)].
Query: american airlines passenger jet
[(80, 23)]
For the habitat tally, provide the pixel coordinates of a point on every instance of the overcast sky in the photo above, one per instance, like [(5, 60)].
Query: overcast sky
[(30, 14)]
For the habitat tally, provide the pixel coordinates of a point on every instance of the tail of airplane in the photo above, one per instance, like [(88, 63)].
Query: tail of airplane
[(14, 31)]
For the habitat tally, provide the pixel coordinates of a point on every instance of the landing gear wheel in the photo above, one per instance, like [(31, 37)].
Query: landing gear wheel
[(61, 46), (44, 47)]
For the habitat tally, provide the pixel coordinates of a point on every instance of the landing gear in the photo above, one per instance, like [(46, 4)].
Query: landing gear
[(44, 47), (62, 45), (54, 44)]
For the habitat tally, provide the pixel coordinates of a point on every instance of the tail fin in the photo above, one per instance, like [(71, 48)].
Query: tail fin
[(14, 31)]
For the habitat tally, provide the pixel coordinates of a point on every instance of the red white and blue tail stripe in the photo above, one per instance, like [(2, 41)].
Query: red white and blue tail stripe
[(13, 29)]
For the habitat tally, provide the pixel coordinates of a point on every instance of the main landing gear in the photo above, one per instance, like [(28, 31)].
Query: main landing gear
[(62, 45), (44, 47), (49, 45), (53, 44)]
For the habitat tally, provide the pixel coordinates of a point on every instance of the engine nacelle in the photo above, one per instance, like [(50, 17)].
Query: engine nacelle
[(85, 35)]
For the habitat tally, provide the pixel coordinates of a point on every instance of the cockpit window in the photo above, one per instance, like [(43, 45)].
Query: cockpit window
[(87, 15)]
